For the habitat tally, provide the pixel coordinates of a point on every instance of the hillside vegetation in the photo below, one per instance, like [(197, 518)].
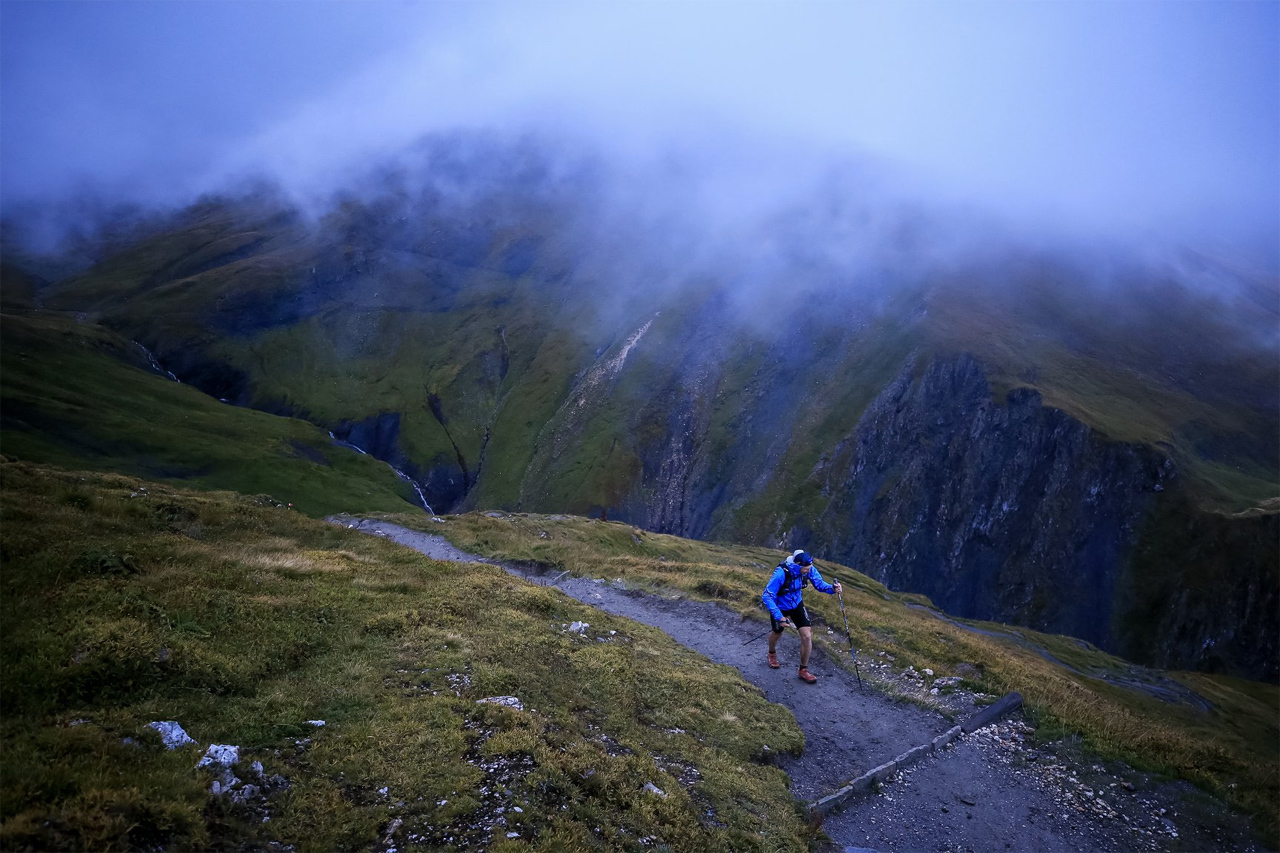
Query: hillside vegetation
[(477, 322), (78, 395), (126, 602), (1224, 739), (975, 429)]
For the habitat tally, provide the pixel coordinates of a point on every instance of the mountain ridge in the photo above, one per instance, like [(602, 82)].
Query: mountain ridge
[(475, 345)]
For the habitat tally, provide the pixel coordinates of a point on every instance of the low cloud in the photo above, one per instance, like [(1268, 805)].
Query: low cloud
[(1132, 120)]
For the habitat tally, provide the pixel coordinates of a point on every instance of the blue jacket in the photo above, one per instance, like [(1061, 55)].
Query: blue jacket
[(785, 590)]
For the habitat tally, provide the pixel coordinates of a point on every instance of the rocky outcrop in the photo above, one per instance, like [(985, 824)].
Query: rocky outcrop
[(1203, 592), (1005, 511)]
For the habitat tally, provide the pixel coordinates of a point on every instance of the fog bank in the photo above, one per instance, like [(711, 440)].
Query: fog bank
[(1139, 120)]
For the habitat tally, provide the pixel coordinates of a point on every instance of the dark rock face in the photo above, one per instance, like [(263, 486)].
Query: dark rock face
[(1014, 512), (215, 378), (1203, 593), (379, 435)]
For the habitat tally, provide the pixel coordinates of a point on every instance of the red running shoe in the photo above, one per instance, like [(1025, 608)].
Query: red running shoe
[(806, 677), (773, 661)]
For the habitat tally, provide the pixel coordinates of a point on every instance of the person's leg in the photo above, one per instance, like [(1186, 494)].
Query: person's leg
[(806, 645), (772, 659)]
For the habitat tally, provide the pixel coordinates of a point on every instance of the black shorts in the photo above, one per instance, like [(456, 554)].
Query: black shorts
[(798, 616)]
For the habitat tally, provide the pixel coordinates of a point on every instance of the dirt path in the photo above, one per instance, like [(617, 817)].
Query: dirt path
[(990, 791)]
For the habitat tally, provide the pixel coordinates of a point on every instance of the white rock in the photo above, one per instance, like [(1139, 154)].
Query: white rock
[(928, 672), (316, 723), (220, 754), (171, 733), (654, 789), (248, 792), (506, 701), (579, 628)]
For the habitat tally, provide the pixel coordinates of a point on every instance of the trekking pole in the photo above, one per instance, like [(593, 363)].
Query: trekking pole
[(765, 634), (849, 636)]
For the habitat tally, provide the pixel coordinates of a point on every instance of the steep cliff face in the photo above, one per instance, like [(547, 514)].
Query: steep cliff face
[(1203, 592), (1012, 512)]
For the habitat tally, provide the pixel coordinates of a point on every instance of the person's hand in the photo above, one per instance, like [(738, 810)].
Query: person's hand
[(839, 589), (784, 621)]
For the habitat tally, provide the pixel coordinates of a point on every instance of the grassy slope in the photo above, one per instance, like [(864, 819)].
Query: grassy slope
[(853, 369), (242, 622), (1170, 379), (384, 338), (532, 396), (1230, 750), (17, 287), (355, 364), (76, 395), (422, 324)]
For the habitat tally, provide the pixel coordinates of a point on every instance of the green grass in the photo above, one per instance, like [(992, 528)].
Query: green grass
[(77, 395), (1129, 371), (243, 621), (1230, 751), (384, 327), (531, 398), (854, 369)]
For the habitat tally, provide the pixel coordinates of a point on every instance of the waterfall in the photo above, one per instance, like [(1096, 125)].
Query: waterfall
[(155, 365), (357, 448), (422, 498)]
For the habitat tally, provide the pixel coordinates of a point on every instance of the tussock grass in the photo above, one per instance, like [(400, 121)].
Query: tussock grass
[(243, 621), (1230, 750)]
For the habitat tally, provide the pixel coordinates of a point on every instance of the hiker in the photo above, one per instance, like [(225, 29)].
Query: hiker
[(783, 595)]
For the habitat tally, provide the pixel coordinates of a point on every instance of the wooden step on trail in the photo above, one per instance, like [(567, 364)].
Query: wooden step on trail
[(985, 717)]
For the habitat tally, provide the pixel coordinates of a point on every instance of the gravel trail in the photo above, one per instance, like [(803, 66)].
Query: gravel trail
[(989, 791)]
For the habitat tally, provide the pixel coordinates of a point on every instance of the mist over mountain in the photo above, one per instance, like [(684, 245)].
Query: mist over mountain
[(1017, 429), (1134, 122)]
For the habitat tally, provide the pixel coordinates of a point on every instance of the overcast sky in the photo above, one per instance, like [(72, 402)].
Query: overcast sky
[(1138, 116)]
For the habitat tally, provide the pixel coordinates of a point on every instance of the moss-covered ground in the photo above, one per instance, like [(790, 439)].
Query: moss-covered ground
[(126, 602)]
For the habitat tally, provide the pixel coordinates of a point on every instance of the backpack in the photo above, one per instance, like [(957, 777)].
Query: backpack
[(789, 585)]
